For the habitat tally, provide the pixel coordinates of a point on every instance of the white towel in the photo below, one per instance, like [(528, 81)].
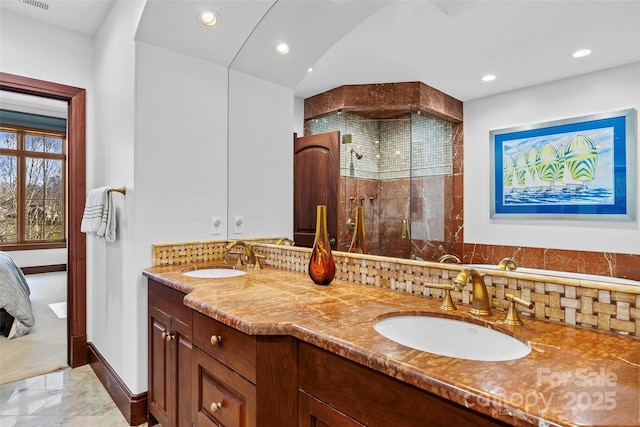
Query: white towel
[(98, 218)]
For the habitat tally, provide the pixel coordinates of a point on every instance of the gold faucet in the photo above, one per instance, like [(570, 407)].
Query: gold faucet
[(449, 257), (481, 304), (507, 263), (251, 256), (286, 241)]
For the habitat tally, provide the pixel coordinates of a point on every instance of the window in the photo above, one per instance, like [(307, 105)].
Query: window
[(32, 188)]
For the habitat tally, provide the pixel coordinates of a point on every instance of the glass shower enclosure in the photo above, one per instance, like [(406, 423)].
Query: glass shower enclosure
[(398, 165)]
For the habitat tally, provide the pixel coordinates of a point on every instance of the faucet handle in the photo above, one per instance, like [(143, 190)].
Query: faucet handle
[(512, 315), (257, 265), (447, 303)]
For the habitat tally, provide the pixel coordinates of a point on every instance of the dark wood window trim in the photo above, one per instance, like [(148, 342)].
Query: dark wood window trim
[(22, 154), (76, 166)]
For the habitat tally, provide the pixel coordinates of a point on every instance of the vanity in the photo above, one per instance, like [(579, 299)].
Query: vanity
[(272, 348)]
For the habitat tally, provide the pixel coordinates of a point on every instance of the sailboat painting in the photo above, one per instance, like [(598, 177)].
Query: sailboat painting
[(571, 167)]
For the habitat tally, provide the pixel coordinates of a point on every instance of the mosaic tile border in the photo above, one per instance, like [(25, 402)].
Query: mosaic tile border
[(603, 306), (189, 252)]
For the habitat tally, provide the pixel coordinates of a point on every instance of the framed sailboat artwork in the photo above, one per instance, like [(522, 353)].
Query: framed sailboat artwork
[(577, 168)]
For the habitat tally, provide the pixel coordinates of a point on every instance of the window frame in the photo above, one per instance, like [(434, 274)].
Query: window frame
[(22, 154)]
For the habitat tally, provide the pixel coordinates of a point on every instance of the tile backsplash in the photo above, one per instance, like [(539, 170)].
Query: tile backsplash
[(599, 305)]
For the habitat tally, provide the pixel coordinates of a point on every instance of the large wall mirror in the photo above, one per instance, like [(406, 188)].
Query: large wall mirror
[(399, 167), (265, 111), (415, 197)]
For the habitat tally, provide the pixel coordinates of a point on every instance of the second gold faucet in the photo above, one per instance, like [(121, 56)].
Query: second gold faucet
[(507, 263), (481, 303), (251, 256)]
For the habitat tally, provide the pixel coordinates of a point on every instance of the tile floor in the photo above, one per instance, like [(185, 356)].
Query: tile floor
[(69, 397)]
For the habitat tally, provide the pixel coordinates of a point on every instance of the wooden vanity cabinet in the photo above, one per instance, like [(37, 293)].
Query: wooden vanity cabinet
[(170, 357), (204, 373), (242, 380), (338, 392)]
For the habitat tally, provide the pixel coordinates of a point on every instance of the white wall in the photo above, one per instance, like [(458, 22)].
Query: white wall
[(40, 257), (260, 157), (68, 56), (180, 161), (610, 90), (116, 302), (27, 44), (181, 146), (298, 116), (168, 147)]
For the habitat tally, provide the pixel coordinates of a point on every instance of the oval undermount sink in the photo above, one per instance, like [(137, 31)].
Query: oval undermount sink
[(453, 338), (214, 273)]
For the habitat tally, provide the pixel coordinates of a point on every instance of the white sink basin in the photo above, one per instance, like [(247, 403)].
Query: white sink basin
[(214, 273), (453, 338)]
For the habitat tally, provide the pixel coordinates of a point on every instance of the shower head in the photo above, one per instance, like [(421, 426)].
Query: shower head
[(358, 155)]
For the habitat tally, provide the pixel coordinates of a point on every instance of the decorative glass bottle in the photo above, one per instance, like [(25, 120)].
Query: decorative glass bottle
[(359, 241), (322, 267)]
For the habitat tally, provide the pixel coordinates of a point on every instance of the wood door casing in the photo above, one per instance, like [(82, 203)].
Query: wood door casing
[(76, 98), (316, 178)]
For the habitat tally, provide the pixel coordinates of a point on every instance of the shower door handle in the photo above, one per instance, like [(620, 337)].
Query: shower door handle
[(405, 229)]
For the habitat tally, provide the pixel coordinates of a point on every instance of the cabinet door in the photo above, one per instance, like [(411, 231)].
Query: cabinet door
[(315, 413), (170, 357), (159, 396), (221, 397), (181, 359)]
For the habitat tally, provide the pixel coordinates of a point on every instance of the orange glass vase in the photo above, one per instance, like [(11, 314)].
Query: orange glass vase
[(322, 267), (359, 241)]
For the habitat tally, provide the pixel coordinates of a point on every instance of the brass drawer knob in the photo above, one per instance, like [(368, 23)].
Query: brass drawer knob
[(215, 340), (215, 406), (167, 337)]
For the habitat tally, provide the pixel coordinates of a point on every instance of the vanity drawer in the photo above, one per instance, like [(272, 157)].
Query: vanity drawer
[(222, 397), (168, 300), (374, 399), (229, 346)]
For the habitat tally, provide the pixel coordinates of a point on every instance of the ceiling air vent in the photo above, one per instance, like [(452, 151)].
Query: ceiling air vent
[(36, 3)]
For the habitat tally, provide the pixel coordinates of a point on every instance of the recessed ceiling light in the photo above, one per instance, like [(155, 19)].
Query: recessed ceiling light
[(310, 69), (580, 53), (209, 18), (283, 48), (488, 78)]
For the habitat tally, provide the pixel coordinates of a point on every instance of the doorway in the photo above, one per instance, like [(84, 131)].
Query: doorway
[(76, 241), (316, 170)]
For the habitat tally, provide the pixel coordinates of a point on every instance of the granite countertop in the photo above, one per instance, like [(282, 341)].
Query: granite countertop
[(573, 376)]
